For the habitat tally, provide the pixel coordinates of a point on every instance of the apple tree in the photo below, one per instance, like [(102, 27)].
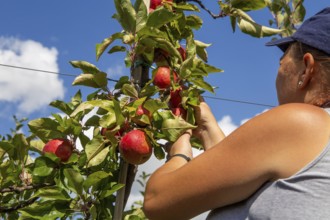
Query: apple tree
[(57, 171)]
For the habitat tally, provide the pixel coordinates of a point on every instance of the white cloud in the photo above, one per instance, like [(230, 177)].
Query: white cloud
[(227, 125), (30, 90), (116, 71)]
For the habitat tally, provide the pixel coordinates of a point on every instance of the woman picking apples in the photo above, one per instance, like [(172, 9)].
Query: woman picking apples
[(275, 166)]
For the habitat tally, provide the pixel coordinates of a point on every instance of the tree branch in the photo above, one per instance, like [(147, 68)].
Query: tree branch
[(19, 189), (215, 16), (18, 206)]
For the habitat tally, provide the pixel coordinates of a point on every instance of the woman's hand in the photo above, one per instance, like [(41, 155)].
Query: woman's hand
[(181, 146), (208, 130)]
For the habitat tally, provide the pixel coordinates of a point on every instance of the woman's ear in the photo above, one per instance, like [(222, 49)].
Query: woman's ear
[(308, 73)]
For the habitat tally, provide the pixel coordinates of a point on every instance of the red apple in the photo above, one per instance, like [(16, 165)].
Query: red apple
[(135, 147), (142, 111), (156, 3), (183, 53), (179, 111), (175, 98), (163, 77), (125, 127), (61, 147)]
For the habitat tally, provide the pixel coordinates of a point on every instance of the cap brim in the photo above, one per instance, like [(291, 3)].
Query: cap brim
[(282, 43)]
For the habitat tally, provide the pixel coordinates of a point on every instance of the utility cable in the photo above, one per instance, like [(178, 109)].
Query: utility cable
[(113, 80), (46, 71)]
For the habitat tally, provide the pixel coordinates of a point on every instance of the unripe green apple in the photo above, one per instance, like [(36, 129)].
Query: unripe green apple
[(135, 147), (61, 147)]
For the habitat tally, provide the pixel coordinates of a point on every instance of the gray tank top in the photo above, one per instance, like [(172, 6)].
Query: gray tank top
[(303, 196)]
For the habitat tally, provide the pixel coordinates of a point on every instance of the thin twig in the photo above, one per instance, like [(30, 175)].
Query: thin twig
[(215, 16), (19, 189), (18, 206)]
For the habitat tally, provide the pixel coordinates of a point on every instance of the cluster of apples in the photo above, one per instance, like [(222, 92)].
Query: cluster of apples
[(162, 80), (134, 145)]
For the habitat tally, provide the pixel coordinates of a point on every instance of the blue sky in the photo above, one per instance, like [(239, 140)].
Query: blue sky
[(48, 34)]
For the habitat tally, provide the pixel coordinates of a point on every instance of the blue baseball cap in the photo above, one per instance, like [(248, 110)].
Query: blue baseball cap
[(314, 32)]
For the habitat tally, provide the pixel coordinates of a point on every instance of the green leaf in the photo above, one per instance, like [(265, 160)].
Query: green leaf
[(126, 15), (99, 158), (174, 128), (118, 113), (37, 145), (200, 49), (159, 153), (153, 105), (201, 83), (94, 179), (247, 5), (110, 192), (45, 129), (76, 99), (122, 81), (233, 23), (186, 6), (147, 31), (93, 147), (52, 193), (115, 49), (160, 17), (97, 80), (85, 66), (43, 166), (108, 120), (44, 210), (89, 105), (299, 12), (212, 69), (74, 180), (130, 90), (7, 147), (255, 29), (194, 21), (141, 14), (61, 105), (101, 47)]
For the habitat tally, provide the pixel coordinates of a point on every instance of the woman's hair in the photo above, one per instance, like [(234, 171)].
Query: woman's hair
[(299, 49)]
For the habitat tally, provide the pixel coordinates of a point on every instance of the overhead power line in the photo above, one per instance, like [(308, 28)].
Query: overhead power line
[(46, 71), (113, 80)]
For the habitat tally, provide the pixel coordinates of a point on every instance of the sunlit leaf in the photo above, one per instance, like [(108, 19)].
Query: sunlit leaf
[(43, 167), (101, 47), (52, 193), (93, 147), (129, 90), (173, 128), (88, 105), (97, 80), (141, 14), (126, 15), (85, 66), (194, 21), (160, 17), (99, 158), (247, 5)]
